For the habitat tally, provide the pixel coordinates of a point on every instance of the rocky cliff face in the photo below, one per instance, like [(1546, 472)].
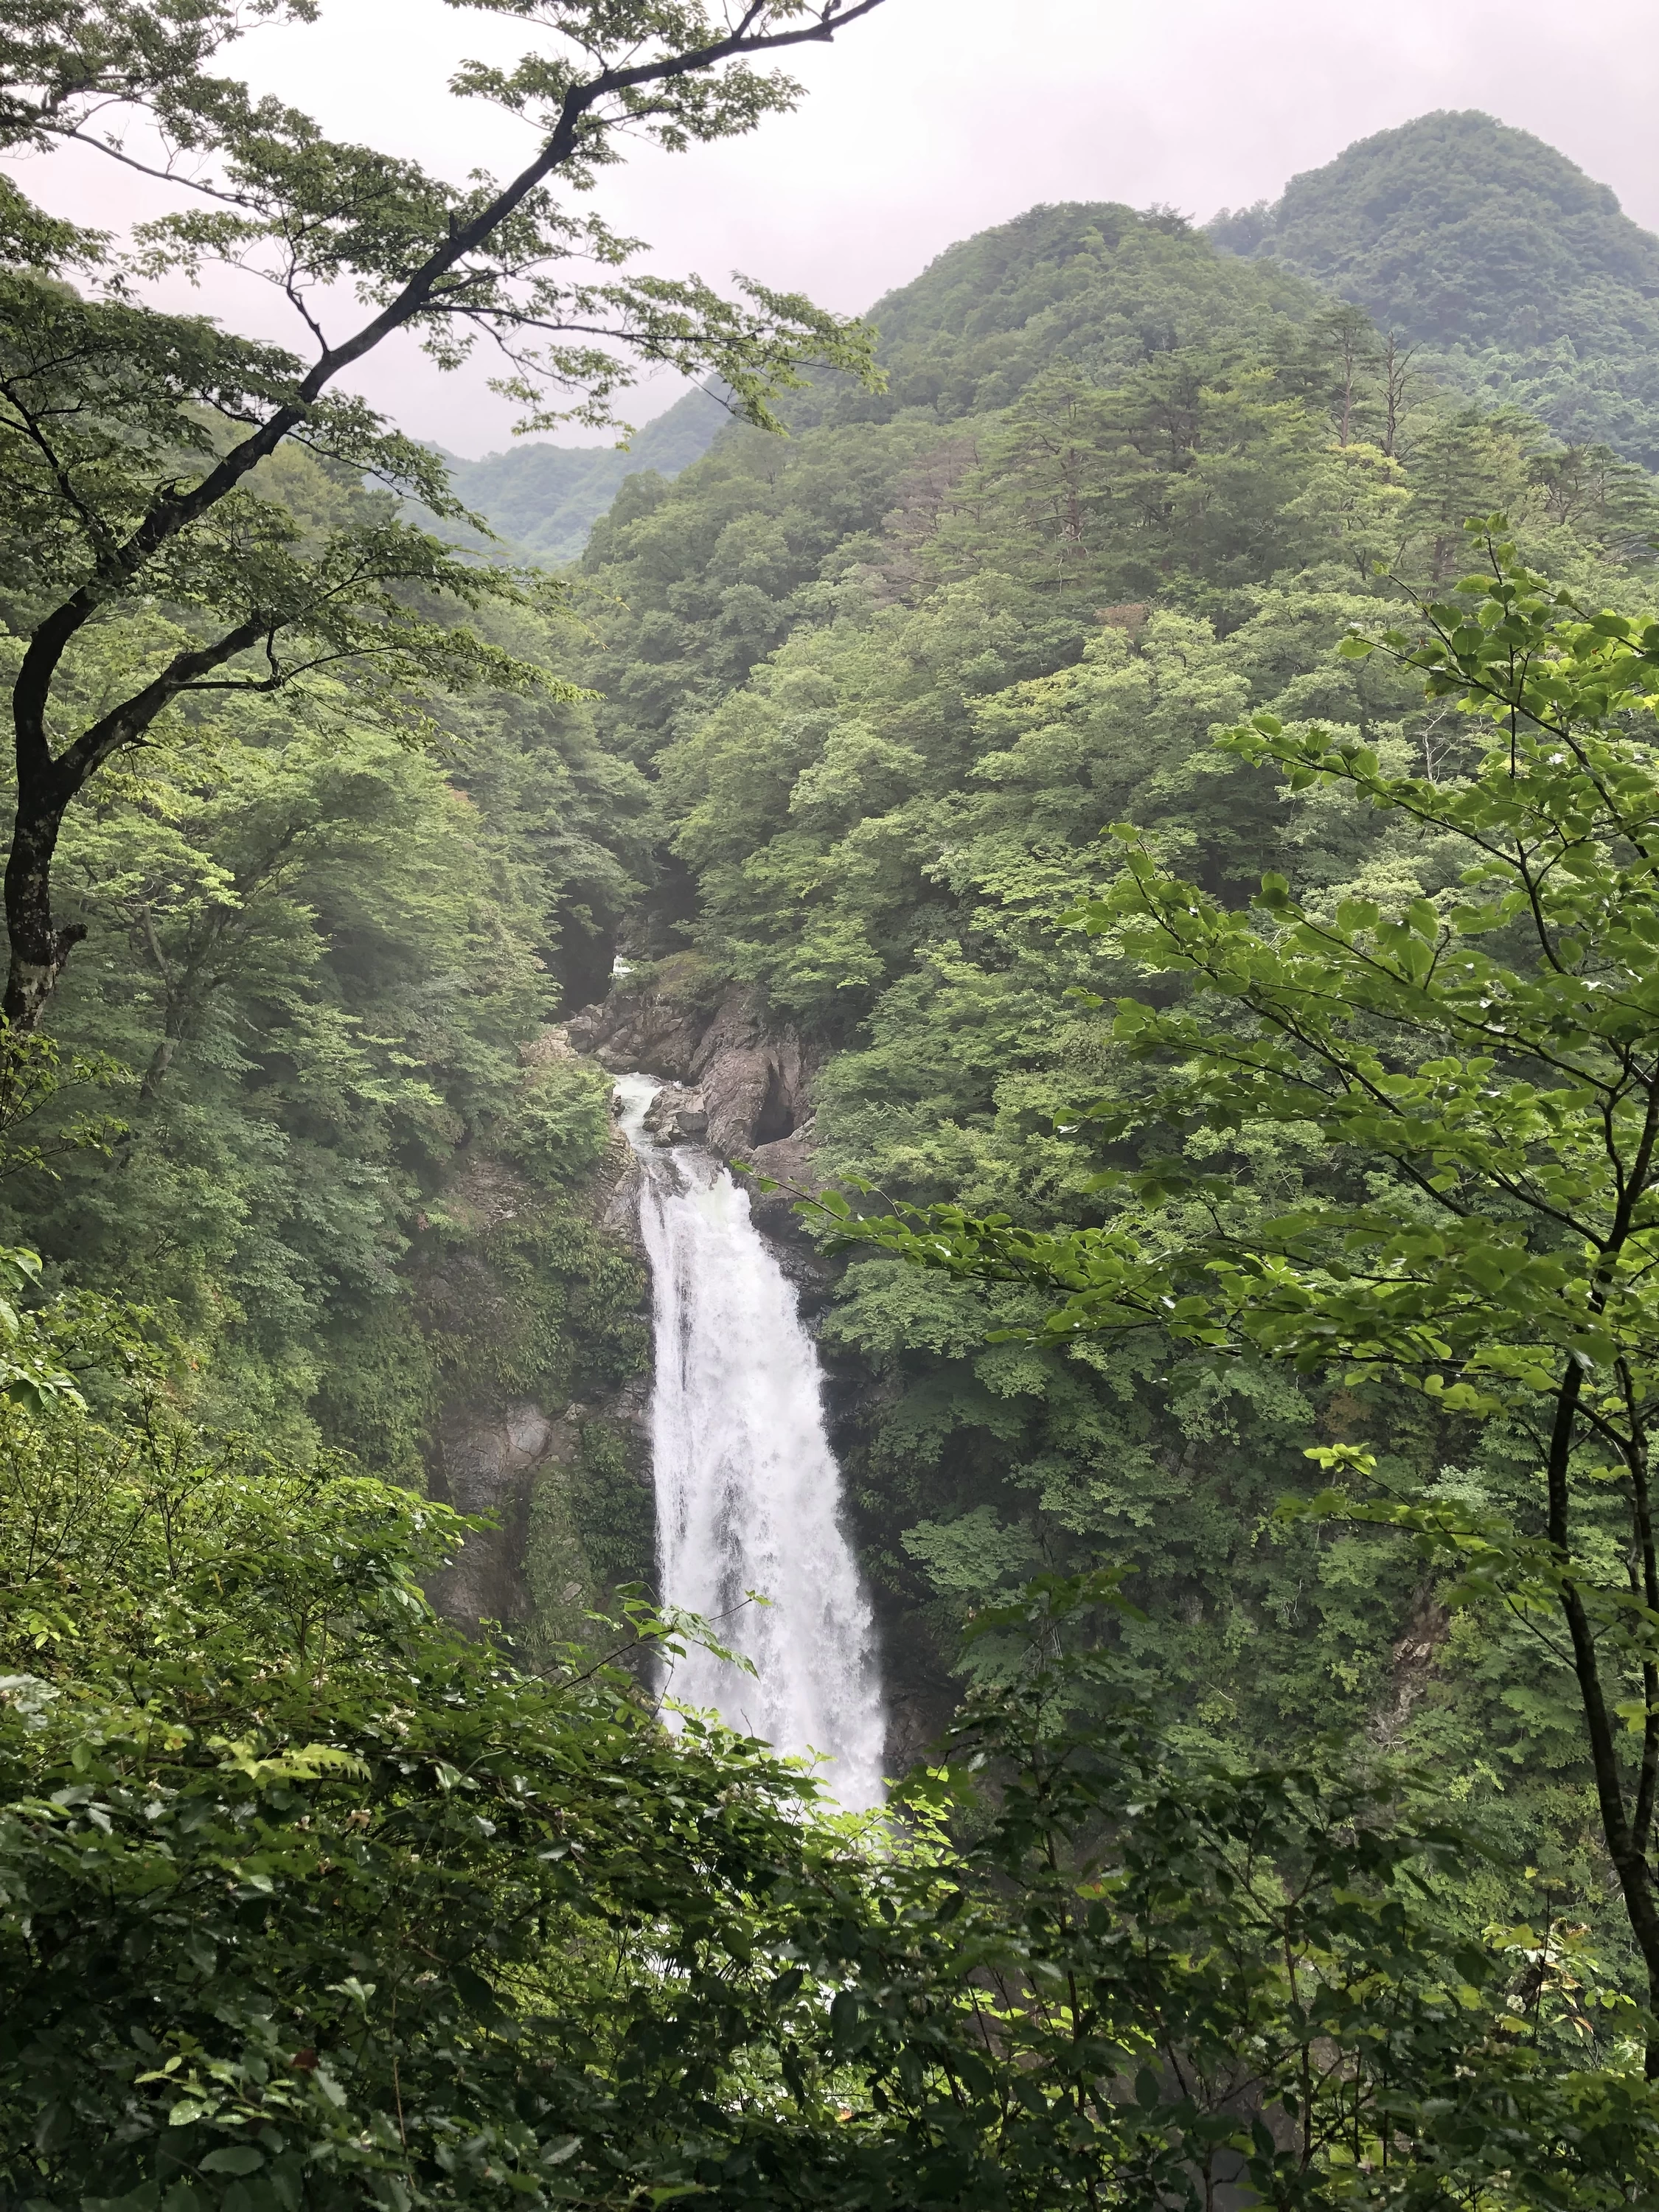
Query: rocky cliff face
[(485, 1460), (740, 1086)]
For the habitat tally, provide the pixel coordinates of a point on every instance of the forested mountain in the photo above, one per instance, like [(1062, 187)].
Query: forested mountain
[(1096, 284), (546, 498), (966, 336), (1514, 276), (865, 698), (889, 681), (1169, 768), (1515, 272)]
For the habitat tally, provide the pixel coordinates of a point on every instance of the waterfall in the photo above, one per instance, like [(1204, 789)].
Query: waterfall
[(748, 1491)]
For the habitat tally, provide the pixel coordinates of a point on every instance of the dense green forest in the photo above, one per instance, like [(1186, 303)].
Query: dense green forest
[(1157, 720), (890, 682), (1513, 274), (1490, 261)]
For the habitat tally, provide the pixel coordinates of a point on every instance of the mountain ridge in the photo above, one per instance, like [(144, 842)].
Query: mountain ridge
[(545, 498), (1517, 274)]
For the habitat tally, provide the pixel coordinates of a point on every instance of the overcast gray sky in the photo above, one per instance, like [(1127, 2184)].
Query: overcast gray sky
[(939, 117)]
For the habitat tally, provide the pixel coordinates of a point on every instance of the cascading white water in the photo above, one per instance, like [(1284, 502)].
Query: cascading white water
[(748, 1491)]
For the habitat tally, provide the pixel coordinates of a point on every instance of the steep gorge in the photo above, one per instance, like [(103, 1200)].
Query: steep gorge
[(887, 681)]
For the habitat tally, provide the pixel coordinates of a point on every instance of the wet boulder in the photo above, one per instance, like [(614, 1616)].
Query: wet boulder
[(676, 1116)]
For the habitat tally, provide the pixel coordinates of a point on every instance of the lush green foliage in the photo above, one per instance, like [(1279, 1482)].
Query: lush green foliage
[(305, 1900), (891, 682), (319, 961), (134, 447), (1096, 284), (1513, 270), (999, 637), (322, 962), (1475, 1058)]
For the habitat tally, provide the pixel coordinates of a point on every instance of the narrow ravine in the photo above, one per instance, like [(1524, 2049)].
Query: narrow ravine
[(747, 1492)]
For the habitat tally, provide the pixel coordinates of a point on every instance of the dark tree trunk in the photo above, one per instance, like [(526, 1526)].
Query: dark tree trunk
[(37, 949)]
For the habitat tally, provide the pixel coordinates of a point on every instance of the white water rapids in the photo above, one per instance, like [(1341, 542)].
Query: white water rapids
[(747, 1492)]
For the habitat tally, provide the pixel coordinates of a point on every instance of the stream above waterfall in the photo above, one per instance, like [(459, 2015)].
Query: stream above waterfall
[(748, 1491)]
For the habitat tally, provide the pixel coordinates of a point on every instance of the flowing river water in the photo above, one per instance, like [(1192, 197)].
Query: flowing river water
[(749, 1494)]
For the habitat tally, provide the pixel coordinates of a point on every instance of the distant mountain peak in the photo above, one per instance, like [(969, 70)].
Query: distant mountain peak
[(545, 498), (1482, 243)]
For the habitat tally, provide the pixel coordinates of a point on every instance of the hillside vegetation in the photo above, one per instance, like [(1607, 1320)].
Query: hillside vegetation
[(546, 498), (1514, 276), (1516, 272), (889, 681)]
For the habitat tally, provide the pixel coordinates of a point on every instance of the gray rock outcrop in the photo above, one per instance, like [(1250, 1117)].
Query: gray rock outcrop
[(735, 1082), (486, 1462), (677, 1117)]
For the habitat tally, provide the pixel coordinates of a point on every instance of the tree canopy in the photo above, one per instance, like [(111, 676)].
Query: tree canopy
[(130, 442)]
